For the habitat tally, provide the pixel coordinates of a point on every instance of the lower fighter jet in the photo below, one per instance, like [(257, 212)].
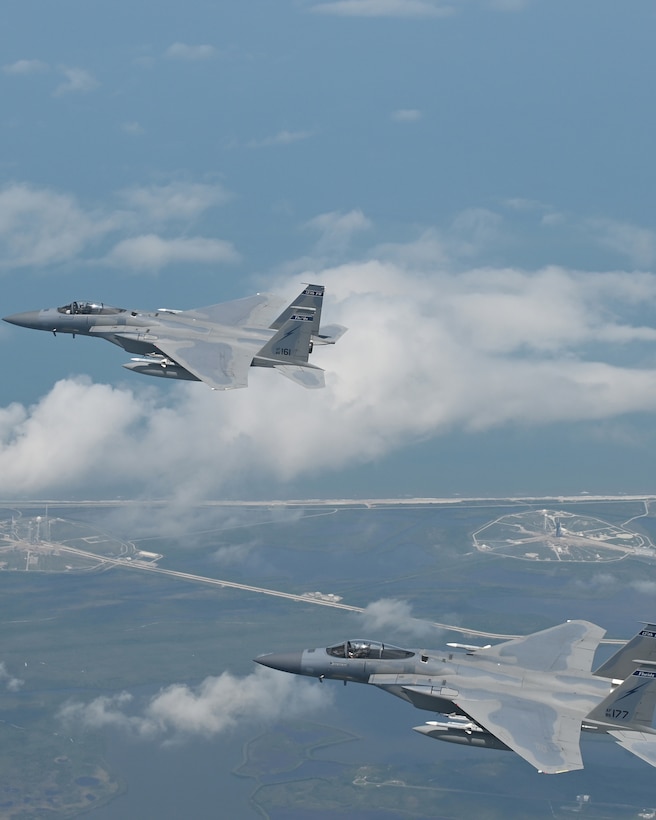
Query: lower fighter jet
[(530, 695), (215, 344)]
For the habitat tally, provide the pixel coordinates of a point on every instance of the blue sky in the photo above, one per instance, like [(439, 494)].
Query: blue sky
[(472, 180)]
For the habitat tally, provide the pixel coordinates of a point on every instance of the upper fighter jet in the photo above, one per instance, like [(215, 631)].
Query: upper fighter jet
[(530, 695), (215, 344)]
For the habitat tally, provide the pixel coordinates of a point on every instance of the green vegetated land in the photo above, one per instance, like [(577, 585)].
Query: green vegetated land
[(47, 774), (291, 782)]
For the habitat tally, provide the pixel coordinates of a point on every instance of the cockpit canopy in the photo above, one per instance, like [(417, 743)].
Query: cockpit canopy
[(93, 308), (359, 648)]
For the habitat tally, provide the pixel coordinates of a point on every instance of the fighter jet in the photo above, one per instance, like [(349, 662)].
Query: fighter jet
[(215, 344), (530, 695)]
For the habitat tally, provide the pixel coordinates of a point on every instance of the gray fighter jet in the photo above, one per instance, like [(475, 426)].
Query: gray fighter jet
[(215, 344), (530, 695)]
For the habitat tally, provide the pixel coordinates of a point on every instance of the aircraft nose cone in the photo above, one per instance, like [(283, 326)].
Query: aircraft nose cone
[(285, 661), (28, 319)]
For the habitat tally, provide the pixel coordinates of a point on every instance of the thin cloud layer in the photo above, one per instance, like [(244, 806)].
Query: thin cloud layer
[(406, 115), (337, 229), (384, 8), (26, 67), (151, 252), (184, 51), (78, 81), (174, 200), (213, 707), (40, 227), (427, 352), (281, 138)]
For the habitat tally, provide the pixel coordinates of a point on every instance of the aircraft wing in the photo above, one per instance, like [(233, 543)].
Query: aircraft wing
[(253, 311), (220, 365), (548, 739), (567, 647), (545, 736), (641, 744)]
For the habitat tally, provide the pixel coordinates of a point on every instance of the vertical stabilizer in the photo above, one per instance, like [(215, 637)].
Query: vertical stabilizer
[(291, 344), (310, 297), (623, 662), (632, 704)]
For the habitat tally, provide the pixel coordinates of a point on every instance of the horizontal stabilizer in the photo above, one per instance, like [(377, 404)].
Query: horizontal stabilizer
[(310, 377), (638, 743), (329, 334)]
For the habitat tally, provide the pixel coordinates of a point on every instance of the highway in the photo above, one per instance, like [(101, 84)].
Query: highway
[(290, 596), (319, 602)]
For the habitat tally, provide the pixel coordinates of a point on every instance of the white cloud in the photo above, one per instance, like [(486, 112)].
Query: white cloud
[(387, 614), (635, 243), (427, 352), (281, 138), (337, 229), (474, 229), (183, 51), (174, 200), (508, 5), (234, 554), (42, 227), (26, 67), (644, 587), (11, 683), (384, 8), (215, 706), (151, 252), (39, 226), (78, 80), (133, 128), (405, 8), (406, 115)]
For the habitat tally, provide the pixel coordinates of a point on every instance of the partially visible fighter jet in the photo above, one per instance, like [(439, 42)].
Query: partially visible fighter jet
[(530, 695), (215, 344)]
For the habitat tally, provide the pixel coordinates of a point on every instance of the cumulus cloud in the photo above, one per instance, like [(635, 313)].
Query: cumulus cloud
[(392, 614), (213, 707), (78, 81), (11, 683), (337, 229), (183, 51), (428, 351), (635, 243), (42, 227), (26, 67), (178, 200), (384, 8), (151, 252)]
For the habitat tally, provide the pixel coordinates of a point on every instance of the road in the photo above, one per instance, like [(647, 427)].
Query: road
[(290, 596)]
